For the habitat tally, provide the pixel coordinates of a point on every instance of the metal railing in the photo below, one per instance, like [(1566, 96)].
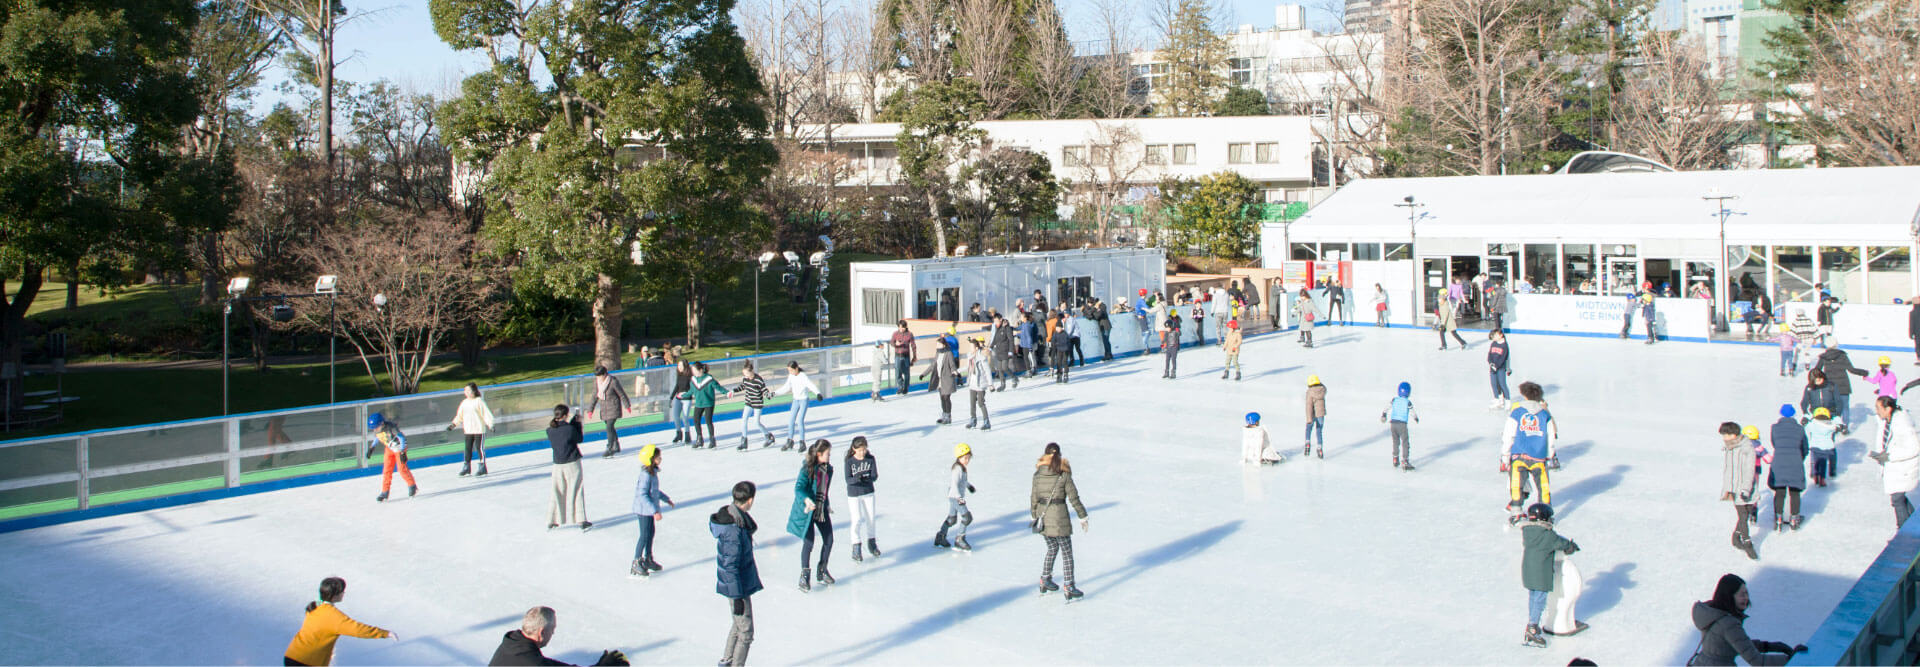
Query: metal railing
[(1875, 624), (80, 471)]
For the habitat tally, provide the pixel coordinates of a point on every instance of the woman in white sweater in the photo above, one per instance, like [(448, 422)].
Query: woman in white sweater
[(801, 388), (473, 419)]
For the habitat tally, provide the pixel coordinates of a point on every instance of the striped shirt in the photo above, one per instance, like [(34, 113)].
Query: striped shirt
[(756, 391)]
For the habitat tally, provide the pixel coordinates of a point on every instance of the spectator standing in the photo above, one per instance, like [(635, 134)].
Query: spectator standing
[(1723, 634)]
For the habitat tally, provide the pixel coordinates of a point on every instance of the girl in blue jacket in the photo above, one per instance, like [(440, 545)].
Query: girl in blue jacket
[(647, 499)]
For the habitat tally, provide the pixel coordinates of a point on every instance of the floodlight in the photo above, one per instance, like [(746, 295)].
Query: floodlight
[(817, 259), (238, 285), (765, 259), (792, 257), (326, 284)]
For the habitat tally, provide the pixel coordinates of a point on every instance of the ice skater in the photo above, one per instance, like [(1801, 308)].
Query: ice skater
[(1529, 439), (1788, 476), (1821, 394), (1170, 345), (876, 367), (705, 394), (958, 515), (1884, 381), (1789, 351), (754, 388), (1499, 366), (1835, 365), (1444, 323), (679, 404), (607, 389), (1255, 445), (1399, 410), (1821, 434), (647, 500), (811, 513), (1002, 348), (1231, 344), (1305, 309), (474, 421), (738, 577), (1898, 450), (1536, 565), (569, 500), (978, 378), (862, 470), (1737, 480), (1316, 432), (388, 437), (801, 388), (944, 379), (325, 624), (1062, 344), (1379, 305), (1053, 492)]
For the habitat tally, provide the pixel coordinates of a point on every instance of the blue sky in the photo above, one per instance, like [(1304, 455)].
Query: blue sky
[(395, 41)]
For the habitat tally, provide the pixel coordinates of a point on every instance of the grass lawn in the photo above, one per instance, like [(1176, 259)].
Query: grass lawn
[(731, 310)]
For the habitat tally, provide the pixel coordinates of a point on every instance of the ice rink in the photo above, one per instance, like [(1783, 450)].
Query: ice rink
[(1192, 557)]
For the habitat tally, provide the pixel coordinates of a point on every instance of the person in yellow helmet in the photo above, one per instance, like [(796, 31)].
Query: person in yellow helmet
[(957, 512), (1316, 418), (647, 502), (1821, 435), (1884, 382)]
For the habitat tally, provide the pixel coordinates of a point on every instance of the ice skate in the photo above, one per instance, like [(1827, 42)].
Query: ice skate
[(787, 447), (971, 423), (1795, 523), (743, 445), (654, 564), (464, 471), (986, 425), (1306, 449), (940, 540), (679, 435), (1533, 637), (806, 580), (961, 544), (1320, 452), (1073, 593), (412, 490), (944, 419), (1396, 461), (874, 547), (1408, 466), (380, 498), (856, 554), (586, 526), (1047, 585), (639, 569), (1236, 376), (823, 576), (1223, 375), (483, 470)]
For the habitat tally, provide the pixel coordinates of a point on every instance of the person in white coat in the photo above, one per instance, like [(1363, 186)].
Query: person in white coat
[(979, 378), (1255, 445), (1898, 450), (802, 389), (474, 420)]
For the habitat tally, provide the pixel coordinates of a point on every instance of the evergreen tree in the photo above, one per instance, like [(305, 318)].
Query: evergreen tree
[(1195, 56)]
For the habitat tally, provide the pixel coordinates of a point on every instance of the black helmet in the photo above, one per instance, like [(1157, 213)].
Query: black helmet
[(1540, 512)]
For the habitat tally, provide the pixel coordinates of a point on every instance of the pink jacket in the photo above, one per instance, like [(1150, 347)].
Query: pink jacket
[(1887, 383), (1786, 341)]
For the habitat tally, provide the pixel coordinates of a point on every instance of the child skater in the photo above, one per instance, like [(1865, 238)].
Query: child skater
[(1398, 411), (1255, 446), (1884, 382), (957, 512), (1316, 418), (1821, 432), (862, 470), (647, 499), (386, 435), (1528, 437), (877, 360), (1536, 565), (1789, 351), (1762, 458)]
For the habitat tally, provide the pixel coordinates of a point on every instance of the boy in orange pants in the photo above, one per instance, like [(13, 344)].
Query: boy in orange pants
[(385, 433)]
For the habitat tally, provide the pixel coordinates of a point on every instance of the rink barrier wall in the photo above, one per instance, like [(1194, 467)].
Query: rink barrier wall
[(1876, 622), (207, 460)]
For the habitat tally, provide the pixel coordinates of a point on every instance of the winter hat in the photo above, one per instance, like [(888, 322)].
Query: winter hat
[(1406, 390), (1253, 418), (1786, 411), (1822, 413), (1723, 592)]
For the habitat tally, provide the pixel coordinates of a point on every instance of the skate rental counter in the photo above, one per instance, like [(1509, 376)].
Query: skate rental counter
[(1572, 247)]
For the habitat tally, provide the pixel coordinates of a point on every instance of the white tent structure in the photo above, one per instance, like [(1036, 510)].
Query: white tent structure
[(1849, 231)]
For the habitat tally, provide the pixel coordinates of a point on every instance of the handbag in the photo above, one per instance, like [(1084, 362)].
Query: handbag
[(1037, 524)]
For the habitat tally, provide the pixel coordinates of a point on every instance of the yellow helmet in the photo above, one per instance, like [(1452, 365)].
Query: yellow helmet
[(1313, 380), (1821, 413), (1885, 361), (1752, 432), (961, 450), (646, 454)]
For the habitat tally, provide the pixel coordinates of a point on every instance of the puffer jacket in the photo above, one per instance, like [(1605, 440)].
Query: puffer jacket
[(979, 374), (1823, 396), (1737, 473), (1050, 503), (1789, 455), (1316, 401), (1723, 636), (1536, 563), (737, 576), (1836, 365)]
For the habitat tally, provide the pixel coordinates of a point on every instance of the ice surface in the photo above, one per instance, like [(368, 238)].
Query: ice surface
[(1193, 557)]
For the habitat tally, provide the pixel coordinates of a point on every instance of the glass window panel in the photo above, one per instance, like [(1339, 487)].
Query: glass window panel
[(1157, 154), (1749, 272), (1541, 267), (1327, 251), (1793, 273), (1366, 252), (1579, 269), (1305, 251), (1840, 272), (1266, 153), (1399, 252), (1237, 153), (1889, 273), (1183, 154)]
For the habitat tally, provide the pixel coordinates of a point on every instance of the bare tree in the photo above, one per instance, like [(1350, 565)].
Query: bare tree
[(986, 33), (1671, 108), (1114, 160), (921, 34), (1865, 108), (1055, 71), (767, 27), (405, 283), (311, 27), (1472, 79), (1110, 89), (863, 60), (1349, 70)]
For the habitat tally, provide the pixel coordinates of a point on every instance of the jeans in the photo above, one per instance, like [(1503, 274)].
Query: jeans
[(1456, 336), (740, 634), (1824, 463), (1316, 426), (902, 373), (678, 409), (749, 420), (797, 421), (1146, 335), (1106, 346), (643, 549), (1786, 363), (1499, 378), (825, 529), (1536, 605)]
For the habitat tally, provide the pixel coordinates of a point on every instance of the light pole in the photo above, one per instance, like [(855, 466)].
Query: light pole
[(766, 258), (1724, 273), (328, 285), (236, 288), (1413, 213), (325, 286)]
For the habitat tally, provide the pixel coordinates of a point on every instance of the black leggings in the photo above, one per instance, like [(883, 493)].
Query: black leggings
[(1456, 336), (473, 449), (703, 416), (825, 528)]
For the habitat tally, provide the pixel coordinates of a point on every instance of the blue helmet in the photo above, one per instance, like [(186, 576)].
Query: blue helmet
[(375, 420), (1406, 390), (1253, 418)]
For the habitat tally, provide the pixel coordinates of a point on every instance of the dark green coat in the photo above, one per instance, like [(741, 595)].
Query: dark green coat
[(1051, 505), (804, 488), (1536, 566)]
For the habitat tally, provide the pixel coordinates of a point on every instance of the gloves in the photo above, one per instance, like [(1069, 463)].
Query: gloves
[(1553, 463), (1799, 648), (1803, 421), (1572, 548), (970, 488), (371, 448), (1509, 372), (739, 606), (612, 658), (452, 426), (1383, 417), (1878, 457)]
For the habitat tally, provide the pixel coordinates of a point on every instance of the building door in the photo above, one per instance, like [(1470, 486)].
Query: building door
[(1500, 269), (1434, 272), (1623, 276)]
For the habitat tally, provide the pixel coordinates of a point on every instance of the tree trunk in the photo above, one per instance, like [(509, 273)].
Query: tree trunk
[(939, 225), (606, 323), (209, 269), (696, 313), (13, 329), (470, 345), (73, 288), (258, 334)]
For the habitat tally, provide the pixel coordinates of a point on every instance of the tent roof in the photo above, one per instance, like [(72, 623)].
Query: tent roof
[(1872, 204)]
